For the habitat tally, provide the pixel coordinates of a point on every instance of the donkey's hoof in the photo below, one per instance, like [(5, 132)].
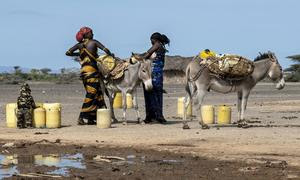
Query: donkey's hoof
[(124, 123), (205, 126), (241, 121), (186, 126), (141, 122), (243, 125)]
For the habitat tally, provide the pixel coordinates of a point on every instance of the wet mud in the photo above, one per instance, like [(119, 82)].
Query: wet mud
[(45, 160)]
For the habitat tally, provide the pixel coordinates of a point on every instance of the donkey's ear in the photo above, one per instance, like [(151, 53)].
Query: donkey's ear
[(270, 54), (132, 54)]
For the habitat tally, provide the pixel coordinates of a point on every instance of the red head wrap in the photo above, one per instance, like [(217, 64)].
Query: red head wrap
[(82, 32)]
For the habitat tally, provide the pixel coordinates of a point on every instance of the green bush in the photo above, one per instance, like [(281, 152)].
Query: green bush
[(294, 69)]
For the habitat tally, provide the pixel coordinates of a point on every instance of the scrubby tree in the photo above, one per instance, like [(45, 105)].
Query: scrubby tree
[(17, 70), (62, 70), (45, 71), (35, 74), (34, 71), (294, 69)]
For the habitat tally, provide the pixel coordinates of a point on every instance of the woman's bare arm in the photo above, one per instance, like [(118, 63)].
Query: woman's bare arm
[(71, 52), (103, 48), (151, 50)]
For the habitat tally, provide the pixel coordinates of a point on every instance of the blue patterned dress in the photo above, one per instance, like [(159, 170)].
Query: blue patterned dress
[(154, 98)]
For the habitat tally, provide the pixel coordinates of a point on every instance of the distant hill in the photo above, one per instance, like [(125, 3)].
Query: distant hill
[(174, 70), (7, 69), (10, 69), (176, 63)]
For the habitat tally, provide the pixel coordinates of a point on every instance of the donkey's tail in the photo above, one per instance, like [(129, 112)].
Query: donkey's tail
[(187, 81)]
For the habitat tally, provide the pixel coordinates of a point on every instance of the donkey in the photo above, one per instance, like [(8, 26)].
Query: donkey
[(199, 81), (137, 72)]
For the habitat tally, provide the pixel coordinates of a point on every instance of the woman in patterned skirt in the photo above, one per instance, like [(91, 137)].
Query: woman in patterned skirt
[(89, 74)]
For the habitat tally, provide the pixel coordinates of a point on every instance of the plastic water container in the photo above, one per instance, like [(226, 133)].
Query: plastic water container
[(224, 114), (103, 118), (129, 101), (39, 105), (117, 100), (53, 115), (11, 118), (180, 108), (208, 114), (39, 118), (51, 106)]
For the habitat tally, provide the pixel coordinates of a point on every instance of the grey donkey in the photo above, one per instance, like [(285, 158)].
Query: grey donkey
[(138, 71), (199, 81)]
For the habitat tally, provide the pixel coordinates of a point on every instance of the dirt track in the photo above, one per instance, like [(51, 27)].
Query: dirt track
[(267, 105)]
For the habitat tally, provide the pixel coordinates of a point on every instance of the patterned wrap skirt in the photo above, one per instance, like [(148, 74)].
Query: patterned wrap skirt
[(94, 98)]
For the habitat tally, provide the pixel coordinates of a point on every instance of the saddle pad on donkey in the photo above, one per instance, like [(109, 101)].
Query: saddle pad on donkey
[(230, 66), (119, 69), (108, 63)]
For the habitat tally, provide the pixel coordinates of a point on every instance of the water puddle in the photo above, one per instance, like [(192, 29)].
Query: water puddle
[(7, 164), (10, 164), (55, 165)]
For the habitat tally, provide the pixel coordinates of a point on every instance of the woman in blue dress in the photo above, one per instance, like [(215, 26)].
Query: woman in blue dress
[(154, 98)]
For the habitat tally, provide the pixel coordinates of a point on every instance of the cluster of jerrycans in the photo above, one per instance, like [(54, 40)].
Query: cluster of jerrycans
[(207, 112), (46, 115)]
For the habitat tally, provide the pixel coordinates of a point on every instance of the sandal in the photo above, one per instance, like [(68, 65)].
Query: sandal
[(80, 122)]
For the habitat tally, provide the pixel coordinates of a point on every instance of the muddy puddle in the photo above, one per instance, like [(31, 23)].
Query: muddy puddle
[(60, 164), (47, 161)]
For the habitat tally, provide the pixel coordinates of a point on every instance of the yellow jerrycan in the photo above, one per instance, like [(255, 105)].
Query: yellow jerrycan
[(11, 118), (118, 100), (103, 118), (39, 105), (39, 117), (208, 114), (129, 101), (52, 106), (180, 108), (224, 114), (53, 115)]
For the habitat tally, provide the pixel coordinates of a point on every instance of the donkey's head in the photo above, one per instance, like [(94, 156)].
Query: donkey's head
[(145, 70), (275, 72)]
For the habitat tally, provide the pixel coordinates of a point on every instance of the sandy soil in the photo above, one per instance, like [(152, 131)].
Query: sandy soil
[(266, 104)]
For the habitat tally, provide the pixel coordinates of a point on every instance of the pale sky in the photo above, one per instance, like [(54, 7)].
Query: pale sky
[(36, 33)]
